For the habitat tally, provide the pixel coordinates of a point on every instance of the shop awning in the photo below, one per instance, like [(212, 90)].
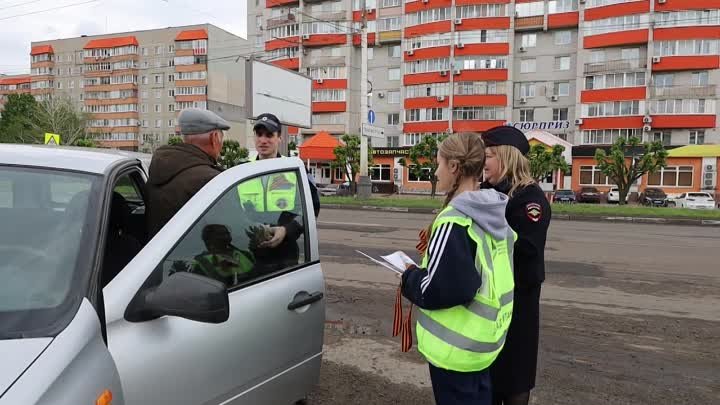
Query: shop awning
[(696, 151), (319, 147)]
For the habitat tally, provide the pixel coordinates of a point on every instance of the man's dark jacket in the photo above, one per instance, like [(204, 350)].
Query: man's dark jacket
[(177, 172)]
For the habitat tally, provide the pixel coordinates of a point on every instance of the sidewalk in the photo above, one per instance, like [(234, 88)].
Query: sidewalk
[(562, 217)]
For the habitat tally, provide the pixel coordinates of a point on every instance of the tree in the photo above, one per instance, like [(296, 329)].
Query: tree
[(629, 160), (14, 124), (423, 160), (232, 154), (86, 143), (544, 161), (59, 115), (347, 157), (175, 140)]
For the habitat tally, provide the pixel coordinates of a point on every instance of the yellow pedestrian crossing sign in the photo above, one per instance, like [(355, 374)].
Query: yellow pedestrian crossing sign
[(52, 139)]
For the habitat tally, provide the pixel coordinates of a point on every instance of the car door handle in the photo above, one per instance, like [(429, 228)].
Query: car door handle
[(302, 299)]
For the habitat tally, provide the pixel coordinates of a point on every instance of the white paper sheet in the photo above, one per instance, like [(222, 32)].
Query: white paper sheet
[(395, 262)]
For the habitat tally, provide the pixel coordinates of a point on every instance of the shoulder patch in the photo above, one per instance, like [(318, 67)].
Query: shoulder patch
[(533, 211)]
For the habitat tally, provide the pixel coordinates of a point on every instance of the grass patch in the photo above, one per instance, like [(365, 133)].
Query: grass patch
[(568, 209)]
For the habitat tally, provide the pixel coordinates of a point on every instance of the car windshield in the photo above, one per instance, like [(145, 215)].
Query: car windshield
[(564, 192), (43, 242), (654, 192), (589, 190)]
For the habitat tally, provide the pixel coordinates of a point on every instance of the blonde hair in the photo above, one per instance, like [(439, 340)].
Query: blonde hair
[(514, 167), (467, 150)]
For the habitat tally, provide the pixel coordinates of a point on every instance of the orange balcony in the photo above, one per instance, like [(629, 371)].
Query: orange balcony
[(330, 84), (357, 39), (194, 97), (426, 126), (676, 63), (684, 121), (200, 67), (429, 28), (111, 87), (616, 39), (329, 106), (677, 5), (483, 49), (280, 43), (324, 39), (616, 94), (487, 23), (471, 2), (370, 16), (289, 63), (416, 6), (564, 20), (133, 100), (112, 59), (426, 78), (680, 33), (114, 42), (476, 126), (125, 145), (427, 53), (280, 3), (481, 74), (533, 22), (484, 100), (428, 102), (617, 10), (612, 122), (116, 115)]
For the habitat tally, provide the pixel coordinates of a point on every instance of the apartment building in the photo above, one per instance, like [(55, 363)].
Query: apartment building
[(587, 71), (15, 84), (134, 84)]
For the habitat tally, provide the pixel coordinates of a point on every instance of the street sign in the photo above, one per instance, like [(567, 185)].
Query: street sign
[(52, 139), (371, 116), (372, 131)]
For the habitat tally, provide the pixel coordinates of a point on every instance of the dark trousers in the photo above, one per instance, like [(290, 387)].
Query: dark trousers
[(455, 388)]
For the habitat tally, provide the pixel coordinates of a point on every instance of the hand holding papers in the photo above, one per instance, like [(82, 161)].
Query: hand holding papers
[(396, 262)]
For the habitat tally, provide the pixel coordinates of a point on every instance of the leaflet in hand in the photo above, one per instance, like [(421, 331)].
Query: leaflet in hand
[(396, 262)]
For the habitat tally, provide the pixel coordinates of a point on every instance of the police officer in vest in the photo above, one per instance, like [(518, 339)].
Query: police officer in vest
[(464, 286), (222, 261), (275, 199), (507, 170)]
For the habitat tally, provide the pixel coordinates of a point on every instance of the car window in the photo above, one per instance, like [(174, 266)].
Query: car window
[(227, 242), (127, 188)]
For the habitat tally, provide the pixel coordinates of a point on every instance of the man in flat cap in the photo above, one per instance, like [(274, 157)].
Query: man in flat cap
[(177, 172)]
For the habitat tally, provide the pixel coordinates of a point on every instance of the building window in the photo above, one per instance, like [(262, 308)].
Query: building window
[(145, 123), (672, 176), (560, 114), (696, 138), (393, 97), (424, 176), (143, 108), (158, 93), (562, 63), (562, 89), (339, 174), (390, 3), (171, 93), (171, 123), (700, 79), (592, 176), (158, 79), (158, 123), (158, 108), (482, 10), (395, 51), (394, 74), (393, 141), (659, 136), (563, 37), (171, 107), (682, 106), (529, 40), (328, 95), (613, 108), (527, 90), (530, 9), (608, 136), (393, 119), (527, 115), (412, 139), (380, 173), (562, 6), (144, 51), (528, 66)]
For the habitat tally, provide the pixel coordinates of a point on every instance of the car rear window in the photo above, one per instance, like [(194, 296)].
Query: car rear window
[(699, 195)]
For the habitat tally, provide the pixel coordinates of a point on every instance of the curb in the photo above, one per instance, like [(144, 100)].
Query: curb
[(561, 217)]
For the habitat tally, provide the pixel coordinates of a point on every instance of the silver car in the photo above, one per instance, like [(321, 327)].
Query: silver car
[(93, 312)]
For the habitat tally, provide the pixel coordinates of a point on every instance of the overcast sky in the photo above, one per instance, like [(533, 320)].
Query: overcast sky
[(100, 17)]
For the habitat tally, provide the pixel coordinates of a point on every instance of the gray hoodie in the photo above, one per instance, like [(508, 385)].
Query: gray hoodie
[(486, 208)]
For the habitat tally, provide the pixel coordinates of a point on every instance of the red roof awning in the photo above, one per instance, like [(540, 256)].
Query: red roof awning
[(319, 147), (111, 42), (41, 49), (191, 35), (15, 79)]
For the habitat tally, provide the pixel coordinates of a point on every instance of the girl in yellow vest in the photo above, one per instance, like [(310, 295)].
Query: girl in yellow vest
[(464, 287)]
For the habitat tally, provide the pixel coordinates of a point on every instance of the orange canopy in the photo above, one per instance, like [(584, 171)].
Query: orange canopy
[(41, 49), (319, 147), (114, 42), (191, 35)]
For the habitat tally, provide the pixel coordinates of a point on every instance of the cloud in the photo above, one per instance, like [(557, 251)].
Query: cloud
[(118, 16)]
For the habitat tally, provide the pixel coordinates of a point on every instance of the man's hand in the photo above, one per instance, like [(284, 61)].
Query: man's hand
[(279, 233)]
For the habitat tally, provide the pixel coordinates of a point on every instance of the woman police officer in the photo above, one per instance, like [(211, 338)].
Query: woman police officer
[(507, 170)]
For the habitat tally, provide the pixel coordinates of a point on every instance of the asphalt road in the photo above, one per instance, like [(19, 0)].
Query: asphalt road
[(629, 314)]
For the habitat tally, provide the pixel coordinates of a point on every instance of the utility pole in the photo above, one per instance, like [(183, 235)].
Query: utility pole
[(364, 183)]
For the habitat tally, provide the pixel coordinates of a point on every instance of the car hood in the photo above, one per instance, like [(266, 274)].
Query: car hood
[(17, 355)]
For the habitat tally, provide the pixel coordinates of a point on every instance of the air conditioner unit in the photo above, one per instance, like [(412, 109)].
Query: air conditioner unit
[(655, 59), (460, 45), (381, 95), (457, 72), (647, 119), (410, 52), (523, 100), (306, 36), (320, 81), (579, 121), (662, 1), (709, 168), (443, 73), (369, 10), (582, 1), (555, 97), (522, 49), (647, 128), (440, 98), (458, 21)]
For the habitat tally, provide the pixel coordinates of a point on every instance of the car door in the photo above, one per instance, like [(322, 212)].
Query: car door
[(270, 348)]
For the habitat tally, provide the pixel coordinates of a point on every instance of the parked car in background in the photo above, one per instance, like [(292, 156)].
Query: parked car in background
[(652, 196), (695, 201), (613, 196), (588, 195), (335, 189), (564, 196)]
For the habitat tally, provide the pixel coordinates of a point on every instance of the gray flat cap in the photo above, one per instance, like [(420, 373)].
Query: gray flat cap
[(193, 121)]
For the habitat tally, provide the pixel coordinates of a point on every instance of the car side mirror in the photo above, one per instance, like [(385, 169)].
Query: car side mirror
[(185, 295)]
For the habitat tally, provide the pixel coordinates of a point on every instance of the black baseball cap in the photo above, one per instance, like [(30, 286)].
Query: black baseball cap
[(506, 135), (269, 122)]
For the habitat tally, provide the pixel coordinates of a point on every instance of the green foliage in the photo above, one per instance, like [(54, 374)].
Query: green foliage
[(86, 143), (423, 159), (232, 154), (175, 140), (14, 124), (347, 157), (544, 161), (59, 115), (629, 160)]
